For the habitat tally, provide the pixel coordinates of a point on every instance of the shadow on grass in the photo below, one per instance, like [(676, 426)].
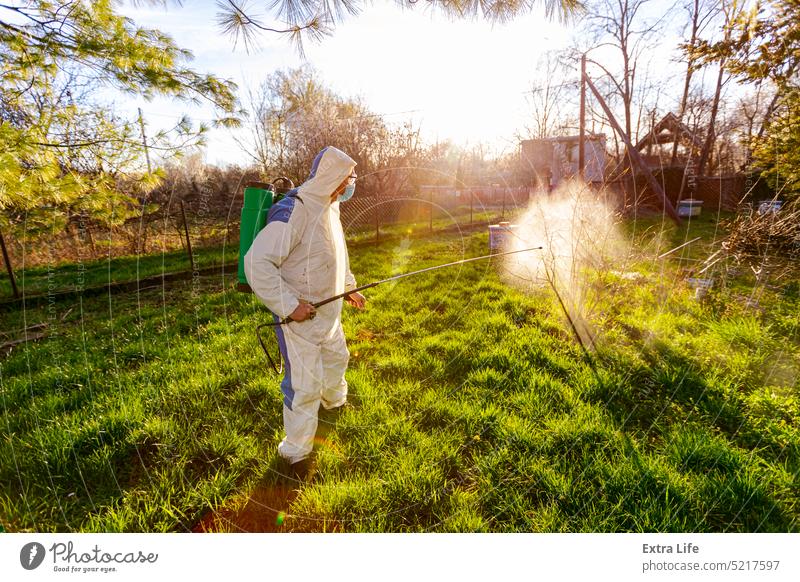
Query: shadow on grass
[(700, 429), (666, 389), (267, 507)]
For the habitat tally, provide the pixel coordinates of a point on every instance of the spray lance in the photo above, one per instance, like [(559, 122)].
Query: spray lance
[(287, 320), (259, 198)]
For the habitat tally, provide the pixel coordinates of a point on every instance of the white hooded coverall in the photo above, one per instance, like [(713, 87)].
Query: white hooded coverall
[(301, 254)]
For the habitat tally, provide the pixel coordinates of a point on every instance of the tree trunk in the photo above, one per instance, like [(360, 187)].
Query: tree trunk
[(711, 133), (687, 82)]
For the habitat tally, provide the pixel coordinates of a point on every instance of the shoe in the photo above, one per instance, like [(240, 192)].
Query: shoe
[(300, 470), (335, 409)]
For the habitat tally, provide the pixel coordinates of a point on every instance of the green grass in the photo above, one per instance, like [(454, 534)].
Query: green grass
[(472, 408), (659, 233), (100, 272), (454, 219)]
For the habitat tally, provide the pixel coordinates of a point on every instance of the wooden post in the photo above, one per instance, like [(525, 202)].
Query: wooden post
[(503, 213), (10, 270), (582, 123), (377, 220), (430, 211), (144, 141), (471, 197), (635, 157), (188, 240)]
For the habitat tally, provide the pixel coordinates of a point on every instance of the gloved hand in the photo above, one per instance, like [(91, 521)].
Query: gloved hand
[(303, 311), (356, 300)]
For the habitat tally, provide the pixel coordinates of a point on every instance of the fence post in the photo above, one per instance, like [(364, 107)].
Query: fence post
[(503, 212), (91, 241), (430, 211), (188, 240), (471, 199), (7, 261), (377, 220)]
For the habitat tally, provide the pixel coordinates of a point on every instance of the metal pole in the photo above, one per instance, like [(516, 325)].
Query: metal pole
[(411, 274), (188, 240), (582, 122), (7, 261)]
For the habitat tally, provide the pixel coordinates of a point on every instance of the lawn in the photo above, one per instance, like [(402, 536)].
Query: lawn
[(472, 409)]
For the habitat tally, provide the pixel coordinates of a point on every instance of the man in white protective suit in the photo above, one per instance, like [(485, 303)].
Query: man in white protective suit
[(300, 258)]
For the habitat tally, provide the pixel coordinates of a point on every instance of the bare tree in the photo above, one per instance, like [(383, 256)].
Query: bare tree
[(755, 110), (295, 116), (701, 12), (550, 96), (731, 11), (395, 157), (622, 25)]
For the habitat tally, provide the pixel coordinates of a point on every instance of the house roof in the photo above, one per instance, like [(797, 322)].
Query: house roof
[(668, 130)]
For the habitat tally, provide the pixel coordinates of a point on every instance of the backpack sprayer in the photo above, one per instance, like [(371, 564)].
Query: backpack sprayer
[(258, 199)]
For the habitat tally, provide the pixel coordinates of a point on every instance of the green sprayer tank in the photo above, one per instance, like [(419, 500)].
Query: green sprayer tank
[(258, 198)]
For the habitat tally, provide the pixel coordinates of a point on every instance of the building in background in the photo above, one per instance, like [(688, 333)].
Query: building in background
[(670, 144)]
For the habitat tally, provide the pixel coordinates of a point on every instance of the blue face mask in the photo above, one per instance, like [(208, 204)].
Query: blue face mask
[(349, 190)]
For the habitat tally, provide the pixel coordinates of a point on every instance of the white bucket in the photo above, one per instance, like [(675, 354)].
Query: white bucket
[(689, 207), (767, 206), (500, 235)]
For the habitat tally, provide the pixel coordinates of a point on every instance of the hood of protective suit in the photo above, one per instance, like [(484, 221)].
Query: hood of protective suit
[(330, 168)]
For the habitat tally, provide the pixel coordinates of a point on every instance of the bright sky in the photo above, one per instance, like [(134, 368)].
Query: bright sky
[(461, 80)]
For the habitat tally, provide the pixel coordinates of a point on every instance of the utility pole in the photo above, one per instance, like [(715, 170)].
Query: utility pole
[(582, 123), (636, 158)]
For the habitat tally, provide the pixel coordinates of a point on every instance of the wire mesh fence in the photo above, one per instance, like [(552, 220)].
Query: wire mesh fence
[(200, 232), (434, 208)]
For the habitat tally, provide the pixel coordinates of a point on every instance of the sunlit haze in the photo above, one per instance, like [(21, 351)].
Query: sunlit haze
[(465, 81)]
